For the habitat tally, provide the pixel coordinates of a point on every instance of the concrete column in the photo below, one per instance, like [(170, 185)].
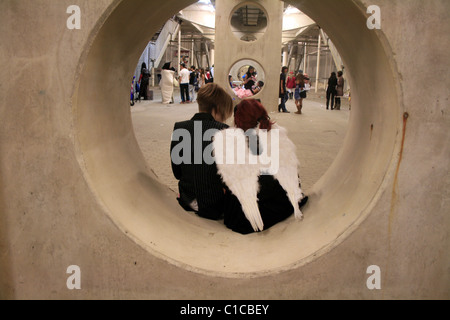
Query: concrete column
[(305, 57), (285, 55), (319, 42), (179, 52), (208, 60), (265, 50), (212, 56), (193, 53)]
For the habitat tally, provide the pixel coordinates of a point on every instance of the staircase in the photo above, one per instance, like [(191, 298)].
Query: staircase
[(162, 41), (156, 48)]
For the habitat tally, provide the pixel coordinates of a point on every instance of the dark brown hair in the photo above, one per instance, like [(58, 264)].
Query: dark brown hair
[(300, 79)]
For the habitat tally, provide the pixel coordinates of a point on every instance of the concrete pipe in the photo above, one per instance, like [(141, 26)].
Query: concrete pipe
[(83, 166)]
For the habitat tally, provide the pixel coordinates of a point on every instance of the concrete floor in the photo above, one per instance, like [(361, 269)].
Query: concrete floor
[(318, 133)]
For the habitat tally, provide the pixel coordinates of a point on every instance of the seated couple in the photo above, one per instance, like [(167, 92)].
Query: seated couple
[(249, 197)]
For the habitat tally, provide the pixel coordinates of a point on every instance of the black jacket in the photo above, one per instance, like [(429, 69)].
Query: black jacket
[(199, 181), (282, 85), (332, 83), (273, 203)]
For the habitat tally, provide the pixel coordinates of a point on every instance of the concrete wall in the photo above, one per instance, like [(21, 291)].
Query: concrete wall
[(75, 189)]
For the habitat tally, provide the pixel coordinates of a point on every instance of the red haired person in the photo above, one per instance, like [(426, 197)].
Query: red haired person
[(256, 160)]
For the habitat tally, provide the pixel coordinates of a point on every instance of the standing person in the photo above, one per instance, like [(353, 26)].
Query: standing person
[(201, 78), (349, 100), (137, 90), (166, 84), (200, 188), (283, 92), (132, 91), (143, 66), (331, 90), (290, 84), (208, 76), (300, 92), (144, 81), (339, 89), (249, 78), (184, 84), (256, 201), (193, 82)]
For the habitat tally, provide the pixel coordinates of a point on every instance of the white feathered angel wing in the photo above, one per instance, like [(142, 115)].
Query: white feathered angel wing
[(233, 159), (287, 174), (240, 169)]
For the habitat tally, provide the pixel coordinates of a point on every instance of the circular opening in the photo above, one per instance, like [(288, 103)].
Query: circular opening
[(248, 22), (145, 210), (247, 78)]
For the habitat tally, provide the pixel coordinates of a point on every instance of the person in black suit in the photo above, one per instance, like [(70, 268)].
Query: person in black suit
[(331, 90), (200, 187), (283, 91)]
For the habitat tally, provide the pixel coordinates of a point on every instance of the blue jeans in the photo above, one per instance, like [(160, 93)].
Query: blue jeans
[(184, 89), (282, 105), (192, 92)]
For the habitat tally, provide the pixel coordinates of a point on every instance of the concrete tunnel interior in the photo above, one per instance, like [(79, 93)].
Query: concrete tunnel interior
[(145, 210)]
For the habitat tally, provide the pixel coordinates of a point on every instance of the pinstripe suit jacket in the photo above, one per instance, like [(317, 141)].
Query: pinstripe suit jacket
[(201, 181)]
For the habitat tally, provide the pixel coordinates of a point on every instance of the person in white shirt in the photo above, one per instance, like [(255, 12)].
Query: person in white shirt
[(184, 84)]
